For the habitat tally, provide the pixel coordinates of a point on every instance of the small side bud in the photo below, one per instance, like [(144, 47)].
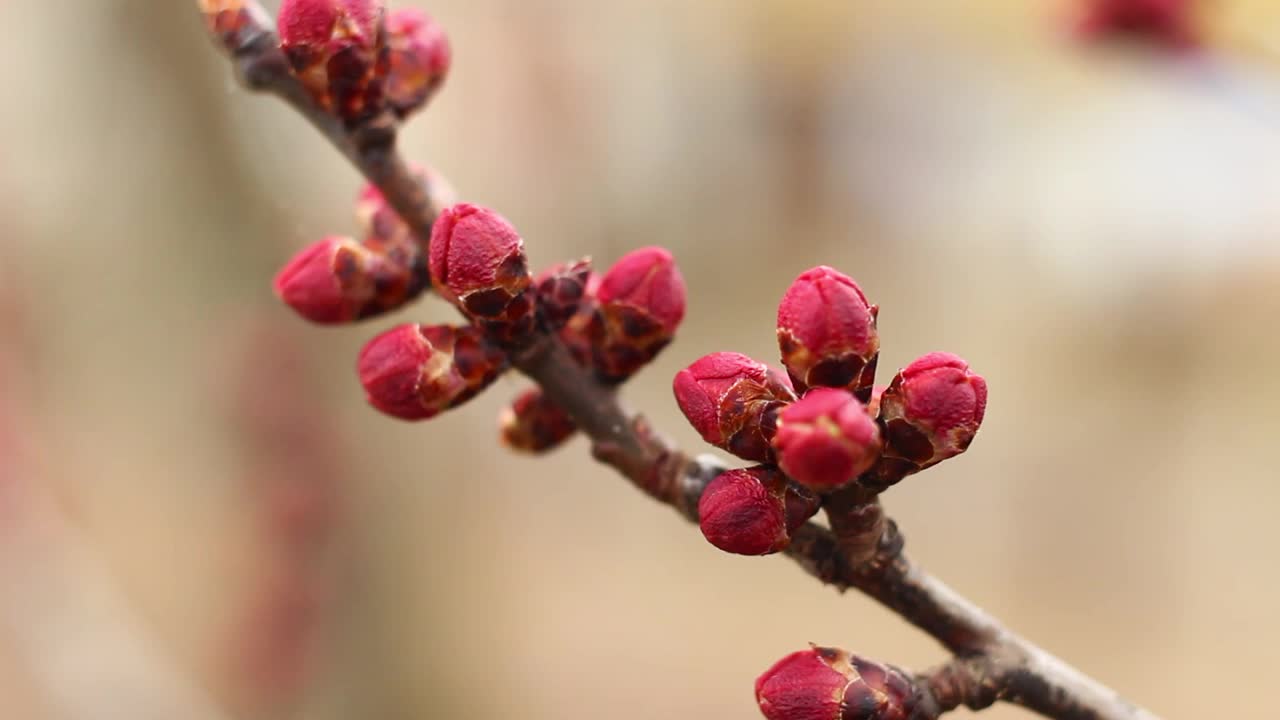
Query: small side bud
[(419, 60), (931, 411), (639, 305), (753, 511), (337, 49), (415, 372), (733, 401), (477, 262), (832, 684), (338, 280), (535, 424), (827, 333), (826, 439), (562, 291)]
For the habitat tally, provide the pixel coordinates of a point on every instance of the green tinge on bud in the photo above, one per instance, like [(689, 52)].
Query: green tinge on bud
[(533, 423)]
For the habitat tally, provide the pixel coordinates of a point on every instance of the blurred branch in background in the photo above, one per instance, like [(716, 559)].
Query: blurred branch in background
[(294, 471), (73, 631)]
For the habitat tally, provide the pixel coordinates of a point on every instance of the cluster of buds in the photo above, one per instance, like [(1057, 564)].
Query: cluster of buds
[(342, 280), (832, 684), (820, 427), (612, 324), (357, 61), (1167, 23)]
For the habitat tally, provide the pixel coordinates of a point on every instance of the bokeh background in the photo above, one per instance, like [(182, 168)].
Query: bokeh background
[(1093, 227)]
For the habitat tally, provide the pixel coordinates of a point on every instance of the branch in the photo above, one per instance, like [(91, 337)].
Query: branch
[(991, 662)]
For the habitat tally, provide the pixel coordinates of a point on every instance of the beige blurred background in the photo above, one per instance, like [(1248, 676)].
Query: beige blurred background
[(1095, 229)]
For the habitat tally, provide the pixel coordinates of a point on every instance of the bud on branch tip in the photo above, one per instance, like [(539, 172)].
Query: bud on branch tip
[(827, 333)]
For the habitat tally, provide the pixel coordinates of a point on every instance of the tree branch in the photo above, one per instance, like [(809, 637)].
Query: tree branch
[(991, 662)]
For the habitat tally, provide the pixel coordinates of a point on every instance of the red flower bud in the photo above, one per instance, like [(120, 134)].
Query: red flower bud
[(477, 263), (415, 372), (639, 305), (753, 511), (535, 424), (930, 412), (337, 49), (831, 684), (733, 401), (1170, 23), (562, 291), (827, 333), (419, 57), (826, 439), (338, 280)]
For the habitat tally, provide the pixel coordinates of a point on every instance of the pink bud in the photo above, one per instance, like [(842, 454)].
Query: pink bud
[(753, 511), (338, 280), (1171, 23), (732, 401), (826, 439), (337, 49), (533, 423), (831, 684), (827, 333), (477, 262), (419, 55), (930, 412), (415, 372), (639, 306)]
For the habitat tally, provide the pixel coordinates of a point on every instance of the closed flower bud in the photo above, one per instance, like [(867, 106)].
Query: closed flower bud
[(535, 424), (337, 49), (477, 262), (827, 333), (733, 401), (419, 59), (415, 372), (831, 684), (338, 280), (562, 291), (930, 412), (826, 439), (639, 305), (753, 511)]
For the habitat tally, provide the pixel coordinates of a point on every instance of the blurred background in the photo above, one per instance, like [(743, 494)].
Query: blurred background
[(1092, 226)]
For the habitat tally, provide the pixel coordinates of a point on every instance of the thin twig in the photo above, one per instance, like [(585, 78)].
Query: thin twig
[(991, 662)]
